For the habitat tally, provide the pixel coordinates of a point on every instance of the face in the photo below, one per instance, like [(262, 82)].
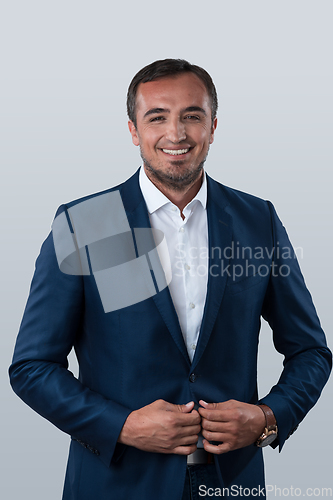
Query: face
[(174, 129)]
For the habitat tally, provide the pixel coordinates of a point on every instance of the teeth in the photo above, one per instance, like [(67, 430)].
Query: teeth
[(175, 151)]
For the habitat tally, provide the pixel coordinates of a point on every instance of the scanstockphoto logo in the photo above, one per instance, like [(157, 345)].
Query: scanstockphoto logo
[(261, 491), (126, 264)]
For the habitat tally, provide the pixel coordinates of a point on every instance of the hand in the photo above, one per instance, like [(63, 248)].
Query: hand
[(162, 427), (232, 423)]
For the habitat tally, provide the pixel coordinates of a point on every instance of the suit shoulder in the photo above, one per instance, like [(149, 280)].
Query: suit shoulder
[(68, 205), (130, 186), (237, 199)]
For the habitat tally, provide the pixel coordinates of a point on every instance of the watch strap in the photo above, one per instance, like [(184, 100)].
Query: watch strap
[(269, 416), (270, 432)]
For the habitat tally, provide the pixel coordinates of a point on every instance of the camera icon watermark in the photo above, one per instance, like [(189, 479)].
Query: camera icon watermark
[(94, 238)]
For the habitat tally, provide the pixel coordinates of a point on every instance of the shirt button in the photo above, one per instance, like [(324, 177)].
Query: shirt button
[(174, 209), (187, 267), (181, 230), (193, 346), (193, 377), (192, 306)]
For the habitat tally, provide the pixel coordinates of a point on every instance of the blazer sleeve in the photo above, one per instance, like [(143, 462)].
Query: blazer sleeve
[(297, 335), (39, 371)]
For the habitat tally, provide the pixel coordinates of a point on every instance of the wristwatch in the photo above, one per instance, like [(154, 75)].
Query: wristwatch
[(271, 430)]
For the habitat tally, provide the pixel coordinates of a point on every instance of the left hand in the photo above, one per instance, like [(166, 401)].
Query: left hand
[(232, 423)]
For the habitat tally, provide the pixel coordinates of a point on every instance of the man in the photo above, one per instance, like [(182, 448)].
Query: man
[(166, 404)]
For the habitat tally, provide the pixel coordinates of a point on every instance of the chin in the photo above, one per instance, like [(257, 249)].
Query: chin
[(175, 180)]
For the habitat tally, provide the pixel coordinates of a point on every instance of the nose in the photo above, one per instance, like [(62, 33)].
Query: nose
[(175, 131)]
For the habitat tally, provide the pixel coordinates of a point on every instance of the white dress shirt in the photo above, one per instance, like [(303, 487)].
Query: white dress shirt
[(187, 242)]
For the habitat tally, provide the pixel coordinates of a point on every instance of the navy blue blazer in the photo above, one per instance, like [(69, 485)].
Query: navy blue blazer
[(133, 356)]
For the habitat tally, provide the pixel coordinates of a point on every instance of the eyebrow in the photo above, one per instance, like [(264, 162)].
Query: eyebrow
[(195, 108), (154, 111)]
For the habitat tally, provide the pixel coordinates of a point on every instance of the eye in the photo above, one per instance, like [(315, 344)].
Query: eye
[(157, 119), (192, 117)]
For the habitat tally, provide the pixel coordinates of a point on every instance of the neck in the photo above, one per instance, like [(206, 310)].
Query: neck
[(180, 198)]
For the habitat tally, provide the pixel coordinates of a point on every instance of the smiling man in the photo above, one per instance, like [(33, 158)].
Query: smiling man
[(166, 405), (174, 127)]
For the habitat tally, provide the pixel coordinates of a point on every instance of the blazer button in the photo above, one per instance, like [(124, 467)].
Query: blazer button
[(193, 377)]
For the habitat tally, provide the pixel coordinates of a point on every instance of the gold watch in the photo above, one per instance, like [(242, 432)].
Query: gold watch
[(270, 431)]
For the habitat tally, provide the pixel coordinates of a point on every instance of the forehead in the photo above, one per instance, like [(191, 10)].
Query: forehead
[(174, 92)]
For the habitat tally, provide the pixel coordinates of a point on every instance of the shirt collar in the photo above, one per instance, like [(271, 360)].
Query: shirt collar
[(155, 199)]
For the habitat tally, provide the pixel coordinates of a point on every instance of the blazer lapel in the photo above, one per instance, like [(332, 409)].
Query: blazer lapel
[(219, 238), (138, 217)]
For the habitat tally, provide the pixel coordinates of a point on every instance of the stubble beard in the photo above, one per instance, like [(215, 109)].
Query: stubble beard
[(175, 180)]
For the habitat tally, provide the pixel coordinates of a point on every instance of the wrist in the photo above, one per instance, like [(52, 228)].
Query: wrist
[(127, 432)]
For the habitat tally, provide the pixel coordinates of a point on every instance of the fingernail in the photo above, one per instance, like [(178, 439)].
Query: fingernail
[(204, 402), (189, 404)]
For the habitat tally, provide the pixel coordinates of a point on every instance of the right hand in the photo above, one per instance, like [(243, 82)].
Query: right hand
[(162, 427)]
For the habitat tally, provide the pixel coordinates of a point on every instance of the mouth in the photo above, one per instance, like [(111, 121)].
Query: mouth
[(176, 152)]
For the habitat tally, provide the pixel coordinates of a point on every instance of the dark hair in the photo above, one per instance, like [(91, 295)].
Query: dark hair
[(164, 68)]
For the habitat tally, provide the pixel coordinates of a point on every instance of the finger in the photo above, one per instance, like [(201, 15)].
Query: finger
[(208, 406), (224, 405), (205, 404), (189, 430), (215, 415), (186, 408), (188, 440), (183, 409), (216, 449), (192, 418), (182, 423), (214, 436), (184, 450), (215, 425)]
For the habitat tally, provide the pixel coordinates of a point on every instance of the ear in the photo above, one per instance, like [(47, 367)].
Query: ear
[(211, 140), (133, 132)]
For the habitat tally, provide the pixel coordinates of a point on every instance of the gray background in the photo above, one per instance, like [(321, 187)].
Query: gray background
[(65, 68)]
